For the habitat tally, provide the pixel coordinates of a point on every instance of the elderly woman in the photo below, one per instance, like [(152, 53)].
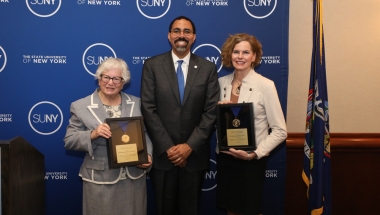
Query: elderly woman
[(107, 191), (241, 173)]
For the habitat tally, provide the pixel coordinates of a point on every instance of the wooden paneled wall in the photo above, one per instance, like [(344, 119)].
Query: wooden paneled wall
[(355, 174)]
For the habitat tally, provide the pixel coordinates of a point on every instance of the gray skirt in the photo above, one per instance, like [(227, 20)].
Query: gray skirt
[(126, 197)]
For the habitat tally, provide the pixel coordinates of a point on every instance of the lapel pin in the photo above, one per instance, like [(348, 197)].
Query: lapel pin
[(195, 66)]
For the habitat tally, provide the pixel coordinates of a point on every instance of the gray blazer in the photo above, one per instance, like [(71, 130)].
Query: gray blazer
[(86, 115), (167, 121)]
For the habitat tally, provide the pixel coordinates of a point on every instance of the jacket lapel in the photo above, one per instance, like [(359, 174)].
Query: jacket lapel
[(171, 74), (127, 106), (98, 112), (245, 93), (95, 107), (226, 92), (247, 87), (192, 73)]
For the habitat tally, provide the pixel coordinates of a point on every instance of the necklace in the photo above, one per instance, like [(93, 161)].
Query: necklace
[(237, 90), (113, 111)]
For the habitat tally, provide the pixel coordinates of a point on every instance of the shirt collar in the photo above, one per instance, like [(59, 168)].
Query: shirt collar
[(186, 59)]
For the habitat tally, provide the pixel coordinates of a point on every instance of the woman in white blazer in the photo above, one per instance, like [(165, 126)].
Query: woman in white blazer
[(107, 191), (241, 173)]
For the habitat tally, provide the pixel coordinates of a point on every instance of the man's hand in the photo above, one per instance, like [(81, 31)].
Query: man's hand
[(179, 153)]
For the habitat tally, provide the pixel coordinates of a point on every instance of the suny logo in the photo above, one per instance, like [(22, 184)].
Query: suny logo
[(95, 54), (210, 177), (45, 118), (209, 52), (3, 59), (260, 9), (153, 9), (43, 8)]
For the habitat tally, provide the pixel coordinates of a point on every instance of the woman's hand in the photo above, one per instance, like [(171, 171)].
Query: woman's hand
[(146, 165), (103, 130), (240, 154), (224, 102)]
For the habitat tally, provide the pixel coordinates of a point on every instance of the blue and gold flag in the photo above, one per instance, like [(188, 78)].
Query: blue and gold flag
[(317, 172)]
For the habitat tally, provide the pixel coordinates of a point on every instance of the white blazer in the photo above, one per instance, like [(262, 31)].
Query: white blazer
[(266, 107)]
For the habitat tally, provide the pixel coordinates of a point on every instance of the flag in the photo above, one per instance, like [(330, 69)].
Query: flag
[(317, 169)]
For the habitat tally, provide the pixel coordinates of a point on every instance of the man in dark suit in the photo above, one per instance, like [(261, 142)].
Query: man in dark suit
[(179, 129)]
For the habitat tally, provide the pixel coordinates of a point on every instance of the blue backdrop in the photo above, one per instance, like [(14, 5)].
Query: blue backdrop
[(49, 51)]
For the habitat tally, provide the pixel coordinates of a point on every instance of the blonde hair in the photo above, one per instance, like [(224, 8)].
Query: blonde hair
[(230, 43)]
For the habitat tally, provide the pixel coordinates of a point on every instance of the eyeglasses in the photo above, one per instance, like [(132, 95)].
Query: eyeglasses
[(115, 80), (177, 32)]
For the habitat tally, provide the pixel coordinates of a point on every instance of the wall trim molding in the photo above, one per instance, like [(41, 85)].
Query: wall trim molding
[(340, 140)]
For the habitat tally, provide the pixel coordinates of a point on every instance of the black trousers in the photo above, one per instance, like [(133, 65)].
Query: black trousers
[(240, 184), (177, 191)]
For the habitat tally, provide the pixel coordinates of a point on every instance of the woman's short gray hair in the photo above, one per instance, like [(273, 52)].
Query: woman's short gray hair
[(114, 63)]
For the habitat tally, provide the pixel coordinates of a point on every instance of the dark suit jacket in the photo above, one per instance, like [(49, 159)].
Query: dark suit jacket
[(167, 121)]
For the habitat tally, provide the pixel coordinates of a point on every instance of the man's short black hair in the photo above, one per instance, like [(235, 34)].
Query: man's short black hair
[(185, 18)]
